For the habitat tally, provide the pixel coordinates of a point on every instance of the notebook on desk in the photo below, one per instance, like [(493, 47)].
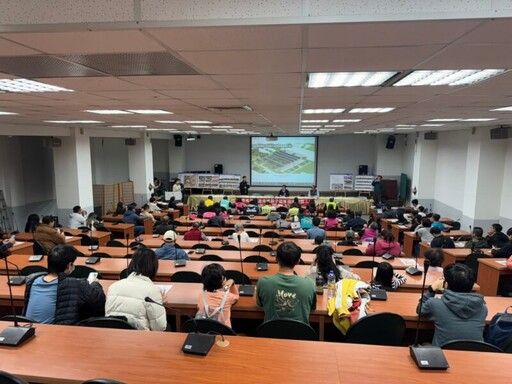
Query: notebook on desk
[(296, 228)]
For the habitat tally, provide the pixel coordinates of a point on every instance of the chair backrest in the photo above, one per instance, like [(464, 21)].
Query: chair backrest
[(472, 262), (255, 259), (102, 255), (207, 326), (102, 381), (38, 248), (186, 277), (115, 243), (7, 378), (379, 329), (243, 217), (367, 264), (238, 277), (82, 271), (103, 229), (471, 345), (211, 258), (229, 248), (86, 240), (251, 226), (353, 252), (286, 329), (105, 322), (136, 244), (270, 235), (30, 269), (262, 248), (201, 245), (252, 234), (228, 232), (20, 318)]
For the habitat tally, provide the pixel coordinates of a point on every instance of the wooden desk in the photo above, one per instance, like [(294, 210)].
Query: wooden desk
[(120, 230), (173, 214), (230, 223), (397, 229), (21, 247), (489, 272), (29, 239), (410, 239), (101, 237), (451, 255), (285, 361)]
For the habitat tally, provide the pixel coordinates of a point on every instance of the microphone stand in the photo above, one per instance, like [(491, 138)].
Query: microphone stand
[(426, 357), (244, 289), (14, 335)]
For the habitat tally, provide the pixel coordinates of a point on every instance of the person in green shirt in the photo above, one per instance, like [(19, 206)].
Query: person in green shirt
[(267, 208), (286, 295), (477, 240)]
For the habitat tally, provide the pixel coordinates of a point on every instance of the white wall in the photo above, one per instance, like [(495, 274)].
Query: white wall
[(109, 158), (506, 192), (408, 160), (388, 162), (160, 158)]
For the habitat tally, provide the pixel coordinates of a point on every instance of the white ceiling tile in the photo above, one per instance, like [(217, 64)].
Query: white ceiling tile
[(187, 82), (471, 56)]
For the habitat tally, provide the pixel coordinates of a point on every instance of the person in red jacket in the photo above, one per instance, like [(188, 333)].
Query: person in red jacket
[(195, 233), (386, 244)]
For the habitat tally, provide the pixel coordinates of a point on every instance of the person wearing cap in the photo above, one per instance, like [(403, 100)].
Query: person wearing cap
[(169, 251)]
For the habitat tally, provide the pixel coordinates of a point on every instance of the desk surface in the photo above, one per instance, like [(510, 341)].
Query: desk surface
[(155, 357)]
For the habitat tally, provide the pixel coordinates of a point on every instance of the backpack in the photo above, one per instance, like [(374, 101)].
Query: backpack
[(500, 328)]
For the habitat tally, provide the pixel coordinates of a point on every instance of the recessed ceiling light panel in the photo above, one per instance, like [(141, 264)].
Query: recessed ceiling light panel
[(28, 86), (349, 79), (323, 110), (371, 110), (452, 77)]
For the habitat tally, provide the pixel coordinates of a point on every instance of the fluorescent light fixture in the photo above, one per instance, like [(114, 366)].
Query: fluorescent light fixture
[(432, 125), (480, 119), (310, 126), (387, 130), (190, 138), (197, 122), (169, 122), (128, 126), (108, 111), (371, 110), (346, 121), (222, 126), (360, 133), (219, 129), (334, 126), (200, 126), (323, 110), (405, 125), (502, 109), (150, 112), (451, 77), (3, 113), (404, 128), (237, 130), (74, 121), (327, 129), (348, 79), (443, 120), (27, 86), (314, 121)]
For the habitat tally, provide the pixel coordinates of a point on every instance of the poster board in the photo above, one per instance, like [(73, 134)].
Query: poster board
[(364, 183), (341, 181), (210, 180)]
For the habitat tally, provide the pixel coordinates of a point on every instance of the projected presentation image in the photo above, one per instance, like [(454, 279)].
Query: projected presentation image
[(288, 160)]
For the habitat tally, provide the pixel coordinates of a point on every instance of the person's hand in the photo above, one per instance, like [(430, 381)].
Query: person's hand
[(438, 285)]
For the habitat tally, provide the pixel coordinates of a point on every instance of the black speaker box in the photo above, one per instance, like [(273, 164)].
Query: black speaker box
[(178, 140), (430, 135), (500, 133), (218, 169), (130, 141), (363, 169), (390, 144)]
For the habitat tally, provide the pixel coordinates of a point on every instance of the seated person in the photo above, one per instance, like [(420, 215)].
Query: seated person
[(332, 220), (386, 278), (194, 233), (293, 211), (311, 206), (349, 239), (458, 314), (496, 238), (146, 214), (267, 208), (506, 249), (172, 203), (239, 205), (421, 211), (283, 192), (331, 205), (201, 209), (306, 221), (6, 242), (423, 230), (77, 217), (218, 296), (217, 220), (56, 298), (388, 212), (324, 263), (153, 207), (274, 216), (286, 295), (414, 204), (439, 240), (47, 235), (282, 223), (386, 244), (240, 231), (477, 240), (224, 203), (356, 224), (370, 233), (33, 221), (436, 258), (169, 251), (130, 217), (209, 202), (120, 209), (252, 208), (126, 297), (436, 223), (315, 231), (163, 226)]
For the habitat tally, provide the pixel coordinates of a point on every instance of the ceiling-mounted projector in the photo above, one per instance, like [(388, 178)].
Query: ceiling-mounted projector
[(271, 137)]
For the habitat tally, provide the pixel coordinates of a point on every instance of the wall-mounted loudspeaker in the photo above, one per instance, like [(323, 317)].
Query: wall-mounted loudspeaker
[(430, 136), (363, 169), (130, 141), (501, 133), (390, 144), (52, 142), (218, 168), (178, 140)]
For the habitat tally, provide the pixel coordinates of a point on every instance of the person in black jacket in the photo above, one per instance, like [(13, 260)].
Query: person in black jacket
[(495, 238), (439, 240), (506, 249), (56, 298)]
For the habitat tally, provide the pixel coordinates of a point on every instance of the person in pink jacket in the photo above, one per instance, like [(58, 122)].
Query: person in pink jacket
[(370, 233), (386, 244)]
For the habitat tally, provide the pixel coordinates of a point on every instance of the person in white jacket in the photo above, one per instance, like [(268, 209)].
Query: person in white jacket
[(77, 217), (127, 297)]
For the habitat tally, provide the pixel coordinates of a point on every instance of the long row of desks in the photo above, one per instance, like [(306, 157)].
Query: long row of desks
[(139, 357)]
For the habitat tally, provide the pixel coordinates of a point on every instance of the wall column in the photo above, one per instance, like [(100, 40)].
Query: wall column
[(73, 174), (140, 161), (424, 171)]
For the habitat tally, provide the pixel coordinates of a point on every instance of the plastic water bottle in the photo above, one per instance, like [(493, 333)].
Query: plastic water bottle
[(319, 284), (331, 285)]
